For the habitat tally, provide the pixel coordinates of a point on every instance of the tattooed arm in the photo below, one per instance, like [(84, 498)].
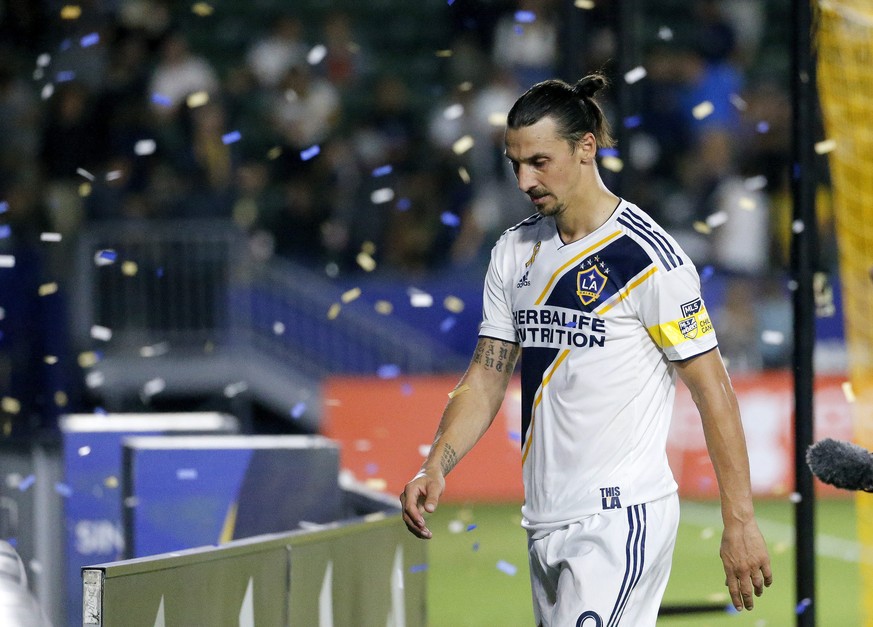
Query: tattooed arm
[(470, 410)]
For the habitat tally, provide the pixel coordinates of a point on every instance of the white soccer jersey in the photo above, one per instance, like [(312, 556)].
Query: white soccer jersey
[(598, 320)]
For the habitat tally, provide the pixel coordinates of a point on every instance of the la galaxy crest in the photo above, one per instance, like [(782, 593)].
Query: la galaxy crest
[(591, 280)]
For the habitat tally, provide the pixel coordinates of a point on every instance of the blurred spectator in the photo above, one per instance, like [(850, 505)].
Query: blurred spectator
[(284, 47), (19, 122), (178, 74), (345, 62), (526, 41)]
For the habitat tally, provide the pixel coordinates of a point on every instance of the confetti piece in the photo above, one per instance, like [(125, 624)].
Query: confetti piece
[(716, 219), (382, 171), (101, 333), (47, 91), (365, 261), (826, 146), (506, 567), (46, 289), (403, 204), (730, 609), (7, 261), (383, 307), (233, 389), (91, 39), (49, 237), (613, 164), (795, 497), (25, 483), (203, 9), (298, 410), (63, 489), (351, 295), (87, 359), (420, 568), (420, 299), (197, 99), (154, 386), (747, 203), (707, 533), (186, 474), (406, 389), (371, 468), (515, 436), (797, 226), (274, 152), (155, 350), (5, 231), (497, 118), (4, 206), (635, 75), (105, 257), (111, 482), (633, 121), (310, 153), (51, 360), (584, 4), (363, 445), (701, 227), (665, 33), (803, 606), (463, 144), (848, 391), (450, 219), (230, 138), (525, 17), (447, 324), (376, 484), (382, 195), (10, 405), (85, 173), (61, 398), (278, 328), (702, 110), (475, 546), (161, 100), (424, 450), (465, 176), (459, 390), (443, 54), (738, 103), (453, 112), (334, 311), (755, 183), (85, 190), (71, 12), (84, 451), (455, 526), (453, 304), (316, 54), (706, 273), (762, 127), (471, 526), (129, 268), (388, 371)]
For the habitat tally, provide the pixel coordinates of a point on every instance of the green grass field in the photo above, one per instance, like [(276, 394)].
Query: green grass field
[(467, 588)]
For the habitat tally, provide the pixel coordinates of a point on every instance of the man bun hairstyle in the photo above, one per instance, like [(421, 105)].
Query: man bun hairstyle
[(572, 107)]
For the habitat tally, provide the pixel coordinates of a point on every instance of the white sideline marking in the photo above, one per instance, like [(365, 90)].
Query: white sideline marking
[(325, 598), (247, 609)]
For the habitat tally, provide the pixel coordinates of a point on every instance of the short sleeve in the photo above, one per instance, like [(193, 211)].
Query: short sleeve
[(497, 319), (673, 312)]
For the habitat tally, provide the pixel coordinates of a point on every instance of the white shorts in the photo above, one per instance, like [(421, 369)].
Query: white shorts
[(605, 570)]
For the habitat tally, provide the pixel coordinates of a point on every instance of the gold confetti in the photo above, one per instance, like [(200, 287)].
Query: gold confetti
[(366, 261), (7, 428), (87, 359), (703, 110), (71, 12), (369, 247), (129, 268), (465, 86), (443, 53), (10, 405), (465, 176), (747, 203), (197, 99), (376, 484), (383, 307), (497, 118), (848, 391), (613, 164), (351, 295), (459, 390), (202, 9), (825, 146), (274, 152), (84, 189), (111, 481), (702, 227), (48, 288), (453, 304), (463, 144), (61, 398), (334, 311), (51, 360), (584, 4)]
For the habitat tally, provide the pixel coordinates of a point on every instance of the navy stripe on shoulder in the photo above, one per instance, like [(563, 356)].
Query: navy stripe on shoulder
[(528, 221), (646, 236), (656, 233)]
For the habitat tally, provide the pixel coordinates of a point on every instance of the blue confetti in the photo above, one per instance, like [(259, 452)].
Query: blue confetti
[(388, 371), (451, 2), (633, 121), (608, 152), (706, 273), (89, 40), (803, 606), (108, 255), (310, 152), (28, 481), (475, 546), (63, 489), (100, 411), (515, 436), (383, 170), (403, 204), (65, 76), (13, 542), (571, 324), (450, 219), (418, 568), (518, 30), (762, 127), (795, 171), (4, 206), (159, 272), (298, 410), (730, 609), (65, 45), (5, 231), (160, 99), (406, 389), (230, 138), (447, 324), (371, 468), (525, 17), (470, 527), (506, 567)]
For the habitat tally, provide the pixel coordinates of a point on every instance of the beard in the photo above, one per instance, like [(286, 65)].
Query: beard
[(551, 209)]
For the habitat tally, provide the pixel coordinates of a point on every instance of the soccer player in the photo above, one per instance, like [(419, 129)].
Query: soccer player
[(606, 310)]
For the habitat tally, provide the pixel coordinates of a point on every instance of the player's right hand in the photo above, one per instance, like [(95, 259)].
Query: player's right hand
[(421, 496)]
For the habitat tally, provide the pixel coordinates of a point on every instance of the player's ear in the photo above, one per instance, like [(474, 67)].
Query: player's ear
[(587, 147)]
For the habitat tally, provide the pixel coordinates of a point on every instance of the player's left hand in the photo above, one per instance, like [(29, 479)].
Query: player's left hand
[(746, 563)]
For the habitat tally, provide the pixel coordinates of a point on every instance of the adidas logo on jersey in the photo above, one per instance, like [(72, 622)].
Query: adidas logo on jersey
[(523, 282)]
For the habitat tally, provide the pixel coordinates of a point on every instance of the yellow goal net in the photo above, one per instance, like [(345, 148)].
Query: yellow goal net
[(844, 40)]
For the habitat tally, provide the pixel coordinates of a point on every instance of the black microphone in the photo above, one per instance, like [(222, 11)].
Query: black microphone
[(841, 464)]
